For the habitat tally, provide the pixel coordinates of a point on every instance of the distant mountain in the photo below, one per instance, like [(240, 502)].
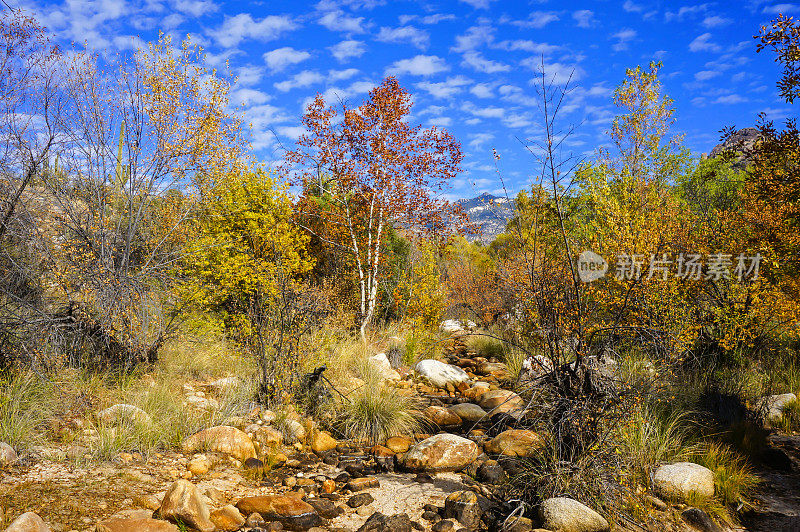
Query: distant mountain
[(489, 213)]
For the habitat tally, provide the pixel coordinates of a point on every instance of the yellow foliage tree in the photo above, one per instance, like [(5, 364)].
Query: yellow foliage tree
[(245, 265)]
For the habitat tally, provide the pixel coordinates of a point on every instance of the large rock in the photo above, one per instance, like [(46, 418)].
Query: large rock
[(440, 374), (684, 481), (442, 416), (292, 512), (515, 442), (7, 455), (134, 524), (380, 363), (378, 522), (463, 507), (123, 413), (773, 405), (322, 442), (451, 326), (498, 370), (568, 515), (442, 452), (221, 439), (28, 522), (497, 401), (469, 412), (183, 502)]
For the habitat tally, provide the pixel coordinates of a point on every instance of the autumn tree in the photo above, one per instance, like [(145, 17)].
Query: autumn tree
[(364, 169), (137, 132), (244, 267)]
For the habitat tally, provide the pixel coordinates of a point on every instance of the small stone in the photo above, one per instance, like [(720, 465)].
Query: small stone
[(323, 442), (656, 503), (431, 516), (399, 444), (442, 452), (326, 508), (328, 486), (8, 455), (700, 520), (291, 511), (150, 502), (227, 519), (378, 522), (683, 481), (568, 515), (199, 465), (491, 472), (358, 484), (137, 524), (254, 520), (442, 416), (360, 499), (515, 442), (444, 525), (221, 439)]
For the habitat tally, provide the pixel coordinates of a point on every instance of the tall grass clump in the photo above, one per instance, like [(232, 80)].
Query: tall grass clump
[(374, 413), (734, 479), (651, 437), (25, 402), (487, 346)]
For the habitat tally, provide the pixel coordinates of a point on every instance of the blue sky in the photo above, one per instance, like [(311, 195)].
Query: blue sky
[(469, 64)]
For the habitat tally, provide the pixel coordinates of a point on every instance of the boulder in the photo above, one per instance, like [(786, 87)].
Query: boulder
[(292, 512), (469, 412), (380, 363), (442, 452), (123, 413), (323, 442), (221, 439), (498, 370), (440, 374), (683, 481), (442, 416), (568, 515), (515, 442), (134, 524), (495, 401), (474, 392), (28, 522), (773, 405), (8, 455), (378, 522), (227, 519), (451, 326), (199, 465), (268, 436), (183, 502), (463, 507)]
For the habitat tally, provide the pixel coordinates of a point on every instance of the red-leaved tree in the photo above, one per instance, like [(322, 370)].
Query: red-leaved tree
[(364, 170)]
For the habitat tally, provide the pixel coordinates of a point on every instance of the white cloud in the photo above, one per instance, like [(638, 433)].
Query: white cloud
[(478, 4), (782, 8), (730, 99), (558, 73), (437, 18), (540, 48), (705, 75), (702, 43), (242, 26), (444, 89), (405, 34), (195, 8), (475, 37), (632, 7), (338, 21), (481, 64), (584, 18), (482, 90), (484, 111), (715, 21), (421, 65), (280, 58), (292, 132), (623, 37), (441, 121), (480, 139), (347, 49), (172, 21), (249, 74), (246, 97), (302, 79), (538, 19), (338, 75), (686, 10)]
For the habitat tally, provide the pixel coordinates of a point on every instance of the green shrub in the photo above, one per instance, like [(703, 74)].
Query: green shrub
[(733, 477)]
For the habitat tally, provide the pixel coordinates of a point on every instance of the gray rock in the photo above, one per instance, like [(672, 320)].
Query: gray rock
[(123, 413), (700, 520), (568, 515), (378, 522), (440, 374), (442, 452), (380, 363), (469, 412), (773, 406), (683, 481), (8, 455)]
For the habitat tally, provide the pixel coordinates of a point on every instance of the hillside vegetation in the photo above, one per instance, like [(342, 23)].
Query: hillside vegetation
[(191, 338)]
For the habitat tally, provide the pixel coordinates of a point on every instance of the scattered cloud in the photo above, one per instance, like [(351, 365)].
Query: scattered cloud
[(702, 43), (623, 38), (339, 21), (705, 75), (716, 21), (243, 26), (445, 89), (347, 49), (537, 19), (782, 8), (475, 37), (195, 8), (686, 11), (730, 99), (405, 34), (305, 78), (584, 18), (482, 90), (632, 7), (481, 64), (280, 58), (478, 4), (420, 65)]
